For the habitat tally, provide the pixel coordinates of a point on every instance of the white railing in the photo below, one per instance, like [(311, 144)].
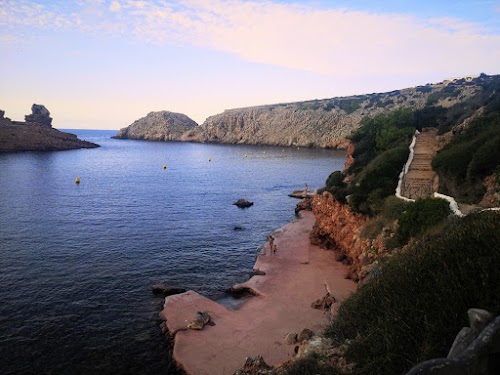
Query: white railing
[(453, 203), (406, 167)]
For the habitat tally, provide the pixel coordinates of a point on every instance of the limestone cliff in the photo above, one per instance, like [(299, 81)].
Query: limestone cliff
[(36, 134), (161, 126), (317, 123), (282, 125), (327, 122)]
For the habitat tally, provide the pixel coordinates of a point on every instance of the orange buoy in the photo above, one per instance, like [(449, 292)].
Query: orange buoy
[(77, 180)]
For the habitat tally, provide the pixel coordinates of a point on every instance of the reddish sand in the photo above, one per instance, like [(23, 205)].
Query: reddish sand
[(295, 277)]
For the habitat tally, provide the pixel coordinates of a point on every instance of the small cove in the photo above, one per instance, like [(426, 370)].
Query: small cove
[(78, 261)]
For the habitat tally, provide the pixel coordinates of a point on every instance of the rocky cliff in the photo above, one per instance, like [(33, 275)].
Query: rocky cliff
[(161, 126), (316, 123), (338, 228), (36, 134)]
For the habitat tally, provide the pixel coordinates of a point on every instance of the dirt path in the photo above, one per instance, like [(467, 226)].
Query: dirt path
[(421, 180), (294, 277)]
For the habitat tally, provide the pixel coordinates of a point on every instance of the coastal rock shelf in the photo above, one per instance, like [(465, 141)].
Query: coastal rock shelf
[(36, 134), (297, 275)]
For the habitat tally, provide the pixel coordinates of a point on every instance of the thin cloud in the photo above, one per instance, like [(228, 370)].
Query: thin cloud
[(334, 42), (115, 6)]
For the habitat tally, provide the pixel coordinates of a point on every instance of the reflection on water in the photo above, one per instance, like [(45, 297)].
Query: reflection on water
[(77, 261)]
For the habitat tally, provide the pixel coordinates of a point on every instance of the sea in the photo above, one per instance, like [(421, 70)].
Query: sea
[(78, 261)]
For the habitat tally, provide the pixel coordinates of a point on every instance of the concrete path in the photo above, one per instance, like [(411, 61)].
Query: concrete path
[(295, 276)]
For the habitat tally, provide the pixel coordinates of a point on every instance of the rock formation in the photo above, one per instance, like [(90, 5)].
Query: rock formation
[(39, 115), (160, 126), (36, 134), (280, 125), (338, 228), (243, 203), (321, 123), (476, 350)]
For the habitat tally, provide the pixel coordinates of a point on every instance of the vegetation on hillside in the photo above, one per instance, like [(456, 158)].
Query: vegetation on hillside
[(381, 148), (415, 301), (472, 155), (414, 308), (381, 151)]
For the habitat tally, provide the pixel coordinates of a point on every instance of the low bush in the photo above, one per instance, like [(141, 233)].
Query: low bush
[(350, 105), (420, 216), (372, 228), (335, 185), (313, 364), (413, 309), (394, 207)]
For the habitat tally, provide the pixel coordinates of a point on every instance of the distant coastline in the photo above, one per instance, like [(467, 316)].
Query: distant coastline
[(322, 123)]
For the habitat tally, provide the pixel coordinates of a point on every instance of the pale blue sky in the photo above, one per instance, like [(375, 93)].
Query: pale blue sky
[(102, 64)]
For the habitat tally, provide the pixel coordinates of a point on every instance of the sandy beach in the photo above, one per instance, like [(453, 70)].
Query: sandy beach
[(298, 274)]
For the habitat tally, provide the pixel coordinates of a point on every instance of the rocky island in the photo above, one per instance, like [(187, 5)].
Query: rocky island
[(36, 134), (161, 126)]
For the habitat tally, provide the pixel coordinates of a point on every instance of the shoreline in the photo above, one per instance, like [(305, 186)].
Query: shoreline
[(297, 275)]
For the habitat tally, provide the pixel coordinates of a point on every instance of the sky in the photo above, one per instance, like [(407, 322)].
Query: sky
[(102, 64)]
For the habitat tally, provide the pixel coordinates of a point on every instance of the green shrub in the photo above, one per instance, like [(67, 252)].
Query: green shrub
[(378, 180), (485, 159), (448, 92), (413, 309), (372, 228), (464, 162), (424, 89), (349, 105), (381, 133), (421, 215), (394, 207), (335, 185), (336, 179)]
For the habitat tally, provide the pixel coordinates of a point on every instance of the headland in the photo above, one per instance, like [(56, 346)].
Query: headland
[(36, 134)]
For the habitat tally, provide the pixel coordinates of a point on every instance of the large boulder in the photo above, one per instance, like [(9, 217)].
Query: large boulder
[(39, 115)]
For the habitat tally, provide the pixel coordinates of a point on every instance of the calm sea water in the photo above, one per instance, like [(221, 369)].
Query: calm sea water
[(77, 261)]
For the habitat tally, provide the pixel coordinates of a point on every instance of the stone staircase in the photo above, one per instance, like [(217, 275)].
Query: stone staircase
[(421, 180)]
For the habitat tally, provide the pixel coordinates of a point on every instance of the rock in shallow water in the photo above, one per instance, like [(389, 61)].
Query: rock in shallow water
[(243, 203), (165, 290)]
